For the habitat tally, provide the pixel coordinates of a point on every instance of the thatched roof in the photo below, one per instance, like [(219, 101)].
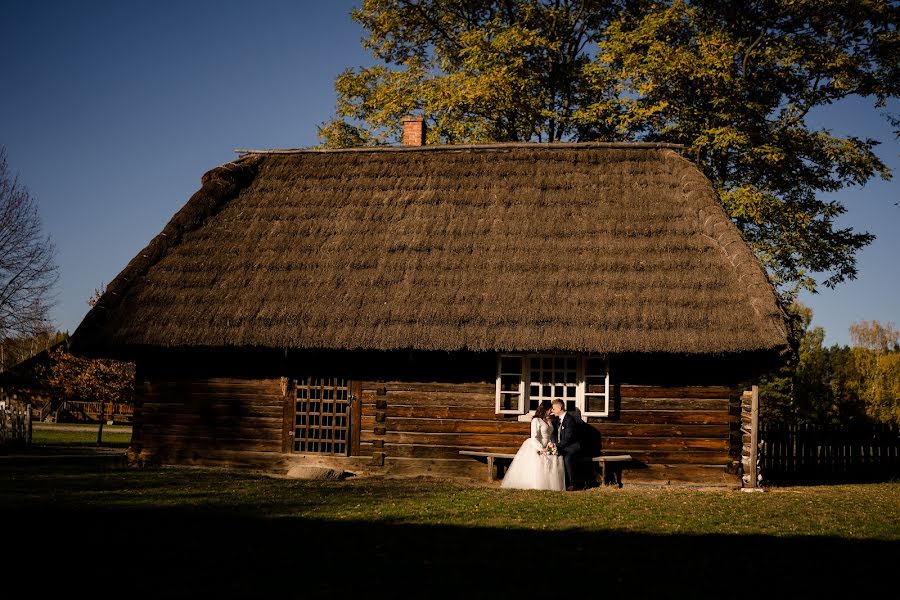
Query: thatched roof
[(569, 247)]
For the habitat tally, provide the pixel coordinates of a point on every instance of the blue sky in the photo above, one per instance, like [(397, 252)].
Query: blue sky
[(111, 112)]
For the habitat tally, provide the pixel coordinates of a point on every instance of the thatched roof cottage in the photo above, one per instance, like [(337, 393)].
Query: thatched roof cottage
[(380, 309)]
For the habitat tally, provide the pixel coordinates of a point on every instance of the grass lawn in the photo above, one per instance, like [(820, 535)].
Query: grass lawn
[(192, 532), (80, 434)]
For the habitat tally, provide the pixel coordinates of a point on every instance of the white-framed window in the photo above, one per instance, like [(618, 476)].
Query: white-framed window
[(524, 380), (510, 384)]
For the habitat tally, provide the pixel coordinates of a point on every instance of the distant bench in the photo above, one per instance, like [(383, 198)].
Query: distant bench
[(612, 475)]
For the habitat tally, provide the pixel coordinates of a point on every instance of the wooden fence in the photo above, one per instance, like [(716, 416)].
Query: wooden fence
[(808, 453), (15, 426), (98, 411)]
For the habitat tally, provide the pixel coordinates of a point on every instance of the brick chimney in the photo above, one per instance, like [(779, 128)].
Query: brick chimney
[(414, 131)]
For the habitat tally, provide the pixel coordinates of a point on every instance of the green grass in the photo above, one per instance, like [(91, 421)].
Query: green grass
[(215, 532), (67, 434), (870, 511)]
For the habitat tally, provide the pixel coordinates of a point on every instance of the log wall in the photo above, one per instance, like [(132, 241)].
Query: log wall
[(206, 421), (677, 433)]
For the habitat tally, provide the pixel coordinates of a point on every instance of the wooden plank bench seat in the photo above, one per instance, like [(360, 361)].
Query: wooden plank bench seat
[(613, 474), (609, 476), (489, 457)]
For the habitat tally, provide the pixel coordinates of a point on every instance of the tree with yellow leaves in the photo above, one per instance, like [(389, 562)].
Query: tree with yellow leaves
[(733, 82), (876, 356)]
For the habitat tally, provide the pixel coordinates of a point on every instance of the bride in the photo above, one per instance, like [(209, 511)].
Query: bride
[(533, 467)]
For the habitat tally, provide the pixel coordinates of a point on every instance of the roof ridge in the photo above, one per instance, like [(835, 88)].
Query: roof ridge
[(474, 147)]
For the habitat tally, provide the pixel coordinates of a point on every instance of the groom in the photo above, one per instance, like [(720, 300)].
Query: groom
[(567, 438)]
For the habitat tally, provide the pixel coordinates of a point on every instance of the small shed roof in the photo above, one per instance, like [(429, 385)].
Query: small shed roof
[(507, 247)]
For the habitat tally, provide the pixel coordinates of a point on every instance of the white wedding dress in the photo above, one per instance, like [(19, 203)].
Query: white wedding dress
[(531, 470)]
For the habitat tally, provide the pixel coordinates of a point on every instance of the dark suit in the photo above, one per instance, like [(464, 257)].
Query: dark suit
[(567, 435)]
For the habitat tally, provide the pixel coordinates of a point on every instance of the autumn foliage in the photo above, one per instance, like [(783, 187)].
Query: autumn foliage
[(75, 378), (837, 384)]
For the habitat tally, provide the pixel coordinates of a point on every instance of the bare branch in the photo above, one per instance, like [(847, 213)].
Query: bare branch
[(27, 268)]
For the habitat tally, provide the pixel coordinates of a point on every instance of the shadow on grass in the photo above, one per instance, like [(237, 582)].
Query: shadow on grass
[(165, 553)]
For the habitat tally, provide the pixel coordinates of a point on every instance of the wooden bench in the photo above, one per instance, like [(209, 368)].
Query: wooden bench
[(613, 475), (608, 476), (490, 457)]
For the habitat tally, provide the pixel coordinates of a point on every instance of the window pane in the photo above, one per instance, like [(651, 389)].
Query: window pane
[(558, 391), (509, 383), (559, 363), (595, 403), (532, 404), (546, 391), (511, 364), (570, 391), (509, 401), (570, 363), (535, 364), (570, 376), (596, 387), (535, 391), (548, 364)]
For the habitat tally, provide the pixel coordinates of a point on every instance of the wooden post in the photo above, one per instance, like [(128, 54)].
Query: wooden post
[(28, 424), (754, 436), (100, 429), (355, 417), (289, 406)]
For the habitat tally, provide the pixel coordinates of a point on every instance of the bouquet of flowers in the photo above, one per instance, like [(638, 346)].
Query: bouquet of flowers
[(550, 450)]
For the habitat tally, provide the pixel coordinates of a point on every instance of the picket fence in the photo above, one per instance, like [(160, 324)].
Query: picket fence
[(15, 425), (809, 453)]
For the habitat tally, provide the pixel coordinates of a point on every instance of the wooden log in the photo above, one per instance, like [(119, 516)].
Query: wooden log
[(485, 412), (654, 457), (694, 457), (217, 410), (214, 386), (404, 386), (626, 445), (437, 399), (692, 392), (685, 417), (211, 421), (451, 426), (271, 433), (433, 451), (461, 440), (674, 404), (614, 429), (204, 444), (693, 475), (160, 395), (634, 445)]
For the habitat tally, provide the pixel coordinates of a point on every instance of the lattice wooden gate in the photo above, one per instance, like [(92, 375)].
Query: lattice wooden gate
[(326, 415)]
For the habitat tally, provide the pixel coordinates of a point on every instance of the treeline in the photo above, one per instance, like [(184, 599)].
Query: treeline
[(15, 350), (836, 384)]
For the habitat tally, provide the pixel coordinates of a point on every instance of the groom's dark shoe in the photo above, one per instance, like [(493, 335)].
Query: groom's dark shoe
[(571, 488)]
